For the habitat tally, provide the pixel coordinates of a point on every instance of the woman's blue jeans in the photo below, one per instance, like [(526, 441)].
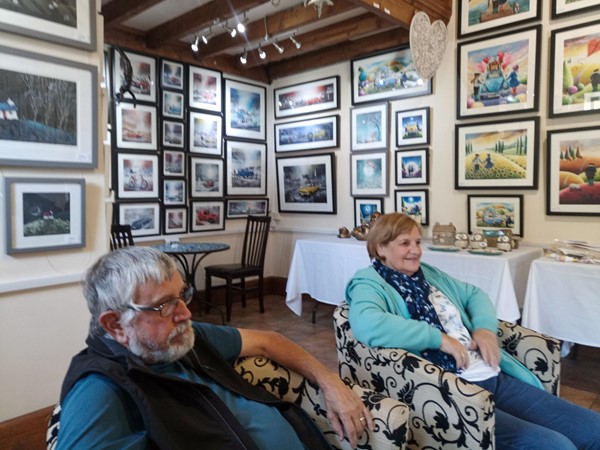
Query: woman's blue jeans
[(529, 418)]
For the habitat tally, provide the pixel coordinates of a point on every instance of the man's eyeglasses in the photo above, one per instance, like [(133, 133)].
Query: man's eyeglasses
[(167, 308)]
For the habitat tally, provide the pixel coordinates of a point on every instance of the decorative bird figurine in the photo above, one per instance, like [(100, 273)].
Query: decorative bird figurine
[(318, 4)]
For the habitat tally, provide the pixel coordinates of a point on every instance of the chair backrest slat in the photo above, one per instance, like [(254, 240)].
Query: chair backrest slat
[(255, 240), (120, 236)]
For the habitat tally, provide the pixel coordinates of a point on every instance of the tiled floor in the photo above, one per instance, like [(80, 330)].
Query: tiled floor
[(580, 375)]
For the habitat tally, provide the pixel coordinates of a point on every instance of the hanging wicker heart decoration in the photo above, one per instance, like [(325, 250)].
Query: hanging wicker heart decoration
[(427, 44)]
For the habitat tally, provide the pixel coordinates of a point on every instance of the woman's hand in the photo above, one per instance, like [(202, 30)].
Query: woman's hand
[(455, 348), (485, 341)]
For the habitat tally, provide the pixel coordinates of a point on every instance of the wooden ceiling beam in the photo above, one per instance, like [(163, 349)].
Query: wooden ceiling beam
[(117, 12), (402, 11), (197, 19)]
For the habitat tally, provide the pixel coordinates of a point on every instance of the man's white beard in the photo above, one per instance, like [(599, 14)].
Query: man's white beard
[(148, 351)]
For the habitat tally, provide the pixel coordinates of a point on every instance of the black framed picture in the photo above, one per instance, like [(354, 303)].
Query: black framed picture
[(412, 167), (307, 98), (414, 203)]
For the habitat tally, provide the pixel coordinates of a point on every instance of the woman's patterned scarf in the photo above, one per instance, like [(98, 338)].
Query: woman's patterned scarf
[(415, 291)]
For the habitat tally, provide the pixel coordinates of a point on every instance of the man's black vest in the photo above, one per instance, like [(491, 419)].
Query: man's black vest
[(180, 414)]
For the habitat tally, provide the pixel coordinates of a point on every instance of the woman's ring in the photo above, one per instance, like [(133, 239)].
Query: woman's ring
[(362, 419)]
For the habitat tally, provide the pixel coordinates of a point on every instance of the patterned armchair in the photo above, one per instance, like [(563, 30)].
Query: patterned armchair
[(445, 411), (390, 416)]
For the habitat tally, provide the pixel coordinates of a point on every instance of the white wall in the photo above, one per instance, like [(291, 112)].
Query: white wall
[(43, 317)]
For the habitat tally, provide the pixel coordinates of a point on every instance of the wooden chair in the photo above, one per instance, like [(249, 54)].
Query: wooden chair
[(251, 265), (120, 236)]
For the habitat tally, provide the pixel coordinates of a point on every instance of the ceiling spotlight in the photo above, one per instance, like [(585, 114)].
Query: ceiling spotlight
[(296, 43), (261, 52), (278, 47), (241, 27), (232, 31), (206, 37), (195, 45), (244, 57)]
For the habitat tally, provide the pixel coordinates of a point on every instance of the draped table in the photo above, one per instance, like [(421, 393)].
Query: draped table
[(322, 266), (563, 301)]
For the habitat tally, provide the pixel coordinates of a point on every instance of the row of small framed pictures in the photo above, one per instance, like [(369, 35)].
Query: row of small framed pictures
[(206, 215), (500, 74), (138, 175), (480, 17)]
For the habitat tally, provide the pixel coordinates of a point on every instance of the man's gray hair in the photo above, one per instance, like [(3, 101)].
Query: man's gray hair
[(111, 283)]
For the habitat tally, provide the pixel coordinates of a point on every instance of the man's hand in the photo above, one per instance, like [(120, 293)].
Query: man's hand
[(485, 341), (346, 412)]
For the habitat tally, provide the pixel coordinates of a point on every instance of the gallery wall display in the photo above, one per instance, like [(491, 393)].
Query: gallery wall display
[(412, 127), (387, 76), (239, 208), (310, 134), (364, 208), (369, 174), (137, 175), (205, 89), (144, 218), (497, 155), (573, 171), (562, 8), (143, 83), (207, 216), (492, 212), (499, 74), (136, 126), (71, 23), (369, 127), (44, 214), (42, 126), (245, 110), (412, 167), (574, 70), (246, 164), (483, 16), (414, 203), (307, 98), (206, 176), (306, 184)]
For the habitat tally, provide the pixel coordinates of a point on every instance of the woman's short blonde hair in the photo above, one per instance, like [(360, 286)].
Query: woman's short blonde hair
[(387, 228)]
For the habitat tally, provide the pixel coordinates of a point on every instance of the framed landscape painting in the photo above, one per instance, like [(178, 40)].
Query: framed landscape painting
[(369, 127), (475, 17), (307, 98), (487, 212), (173, 134), (172, 104), (412, 127), (144, 218), (246, 168), (137, 175), (413, 203), (173, 163), (171, 75), (143, 84), (238, 208), (71, 23), (499, 74), (561, 8), (59, 131), (173, 192), (206, 133), (311, 134), (387, 76), (369, 174), (245, 110), (575, 70), (306, 184), (497, 155), (44, 214), (175, 220), (573, 177), (207, 177)]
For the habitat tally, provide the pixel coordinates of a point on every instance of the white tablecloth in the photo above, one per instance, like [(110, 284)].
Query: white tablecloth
[(321, 267), (563, 301)]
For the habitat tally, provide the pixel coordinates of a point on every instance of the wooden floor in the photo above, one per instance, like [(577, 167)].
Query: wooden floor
[(580, 374)]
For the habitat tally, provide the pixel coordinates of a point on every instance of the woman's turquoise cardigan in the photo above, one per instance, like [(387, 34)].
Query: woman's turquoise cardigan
[(379, 316)]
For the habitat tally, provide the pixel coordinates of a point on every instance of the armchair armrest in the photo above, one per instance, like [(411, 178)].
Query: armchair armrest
[(538, 352), (390, 415)]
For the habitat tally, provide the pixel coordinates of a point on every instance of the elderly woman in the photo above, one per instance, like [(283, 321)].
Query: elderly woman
[(399, 302)]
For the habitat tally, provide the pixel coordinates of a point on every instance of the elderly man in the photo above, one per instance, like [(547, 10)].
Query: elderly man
[(152, 378)]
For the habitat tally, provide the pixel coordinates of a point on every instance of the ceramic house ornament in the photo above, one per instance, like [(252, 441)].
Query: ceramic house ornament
[(443, 234)]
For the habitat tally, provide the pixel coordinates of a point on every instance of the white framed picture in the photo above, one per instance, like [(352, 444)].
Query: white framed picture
[(206, 175), (144, 218), (137, 175), (369, 174), (246, 168), (208, 216), (136, 126)]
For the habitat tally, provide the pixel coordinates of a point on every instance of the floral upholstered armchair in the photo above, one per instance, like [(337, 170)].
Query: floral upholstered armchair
[(390, 415), (445, 410)]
